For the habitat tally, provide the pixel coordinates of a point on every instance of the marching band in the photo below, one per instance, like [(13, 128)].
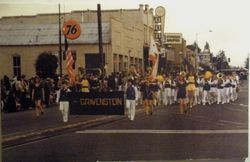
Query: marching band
[(203, 89)]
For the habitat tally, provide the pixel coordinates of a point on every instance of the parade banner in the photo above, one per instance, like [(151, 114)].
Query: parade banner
[(97, 103)]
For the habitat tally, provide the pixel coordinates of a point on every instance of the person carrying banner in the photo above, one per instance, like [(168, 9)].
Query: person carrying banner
[(130, 100), (63, 99)]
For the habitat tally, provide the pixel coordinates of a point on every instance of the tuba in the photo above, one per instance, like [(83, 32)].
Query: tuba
[(219, 75), (208, 75), (183, 73)]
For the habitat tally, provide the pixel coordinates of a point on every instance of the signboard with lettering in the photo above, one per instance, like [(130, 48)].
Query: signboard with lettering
[(71, 29), (97, 103), (173, 38)]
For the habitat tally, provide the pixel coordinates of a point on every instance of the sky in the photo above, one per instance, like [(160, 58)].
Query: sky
[(227, 19)]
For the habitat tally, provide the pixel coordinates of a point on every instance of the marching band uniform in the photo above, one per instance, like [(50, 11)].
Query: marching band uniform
[(167, 92), (213, 90), (174, 92), (199, 90), (234, 93), (131, 100), (227, 90), (220, 91), (206, 91)]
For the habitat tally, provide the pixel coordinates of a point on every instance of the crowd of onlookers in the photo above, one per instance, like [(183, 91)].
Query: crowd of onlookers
[(16, 92)]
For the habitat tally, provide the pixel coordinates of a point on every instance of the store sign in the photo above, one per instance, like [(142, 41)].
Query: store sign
[(97, 103), (173, 38), (71, 29)]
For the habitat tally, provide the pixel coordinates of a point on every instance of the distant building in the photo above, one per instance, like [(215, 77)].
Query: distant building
[(205, 56), (126, 39), (176, 47)]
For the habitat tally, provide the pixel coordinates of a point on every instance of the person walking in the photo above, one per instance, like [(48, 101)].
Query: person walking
[(38, 96), (63, 99), (191, 88), (130, 100), (181, 94)]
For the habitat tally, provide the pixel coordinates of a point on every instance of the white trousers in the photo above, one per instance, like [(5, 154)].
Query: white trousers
[(130, 104), (64, 107), (227, 95), (167, 99), (206, 97), (220, 96)]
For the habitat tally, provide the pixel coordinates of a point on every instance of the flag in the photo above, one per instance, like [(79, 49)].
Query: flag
[(154, 57), (69, 67)]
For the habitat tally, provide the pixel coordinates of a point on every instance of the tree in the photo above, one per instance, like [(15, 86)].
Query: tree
[(247, 63), (192, 47), (220, 61), (46, 65)]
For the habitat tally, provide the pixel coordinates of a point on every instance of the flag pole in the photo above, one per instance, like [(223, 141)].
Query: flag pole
[(60, 42)]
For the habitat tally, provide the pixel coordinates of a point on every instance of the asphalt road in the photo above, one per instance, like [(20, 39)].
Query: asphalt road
[(213, 132)]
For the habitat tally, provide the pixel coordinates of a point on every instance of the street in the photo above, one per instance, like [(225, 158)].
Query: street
[(206, 132)]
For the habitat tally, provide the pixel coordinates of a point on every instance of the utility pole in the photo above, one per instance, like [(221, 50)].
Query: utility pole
[(60, 42), (1, 132), (99, 18)]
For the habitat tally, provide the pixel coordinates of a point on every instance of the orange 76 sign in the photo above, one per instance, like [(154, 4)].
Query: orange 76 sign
[(71, 29)]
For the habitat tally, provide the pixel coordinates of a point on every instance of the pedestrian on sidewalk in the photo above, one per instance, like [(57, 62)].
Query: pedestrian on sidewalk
[(63, 99), (38, 96), (130, 100)]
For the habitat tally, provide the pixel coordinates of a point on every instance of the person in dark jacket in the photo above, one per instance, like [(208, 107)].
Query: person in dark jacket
[(63, 99), (130, 100)]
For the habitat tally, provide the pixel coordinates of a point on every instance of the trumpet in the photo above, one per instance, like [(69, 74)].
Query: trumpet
[(219, 75)]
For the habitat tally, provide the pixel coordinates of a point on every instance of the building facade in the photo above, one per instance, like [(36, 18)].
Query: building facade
[(126, 39)]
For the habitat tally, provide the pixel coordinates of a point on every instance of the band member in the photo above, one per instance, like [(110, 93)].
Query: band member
[(62, 98), (181, 94), (130, 100), (234, 85), (167, 91), (213, 90), (148, 97), (206, 90), (199, 89), (191, 88), (227, 89), (173, 91), (220, 89)]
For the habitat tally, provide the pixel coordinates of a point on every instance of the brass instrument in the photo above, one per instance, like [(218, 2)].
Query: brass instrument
[(219, 75), (208, 75), (183, 73)]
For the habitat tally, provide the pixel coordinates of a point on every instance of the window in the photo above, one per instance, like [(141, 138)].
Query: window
[(17, 65), (157, 19)]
